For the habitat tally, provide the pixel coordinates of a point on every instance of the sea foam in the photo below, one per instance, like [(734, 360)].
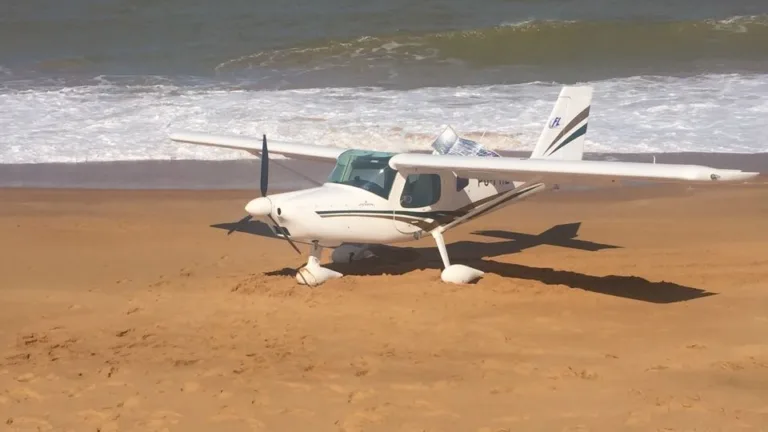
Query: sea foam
[(113, 120)]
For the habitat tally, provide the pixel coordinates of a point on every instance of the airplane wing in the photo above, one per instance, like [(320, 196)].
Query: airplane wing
[(253, 145), (555, 171)]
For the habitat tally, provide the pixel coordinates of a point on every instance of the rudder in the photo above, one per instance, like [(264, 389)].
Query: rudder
[(564, 133)]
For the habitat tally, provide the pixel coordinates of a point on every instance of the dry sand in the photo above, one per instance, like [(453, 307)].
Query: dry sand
[(126, 311)]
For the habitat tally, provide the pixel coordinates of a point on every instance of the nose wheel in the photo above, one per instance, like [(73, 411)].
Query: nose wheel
[(313, 273)]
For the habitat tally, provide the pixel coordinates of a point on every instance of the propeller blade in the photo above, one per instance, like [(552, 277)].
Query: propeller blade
[(239, 223), (265, 183), (293, 245), (264, 167)]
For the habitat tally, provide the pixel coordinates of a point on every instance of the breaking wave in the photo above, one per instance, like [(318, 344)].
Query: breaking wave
[(532, 42)]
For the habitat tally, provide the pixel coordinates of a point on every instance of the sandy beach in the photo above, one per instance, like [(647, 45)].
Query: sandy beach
[(632, 309), (125, 305)]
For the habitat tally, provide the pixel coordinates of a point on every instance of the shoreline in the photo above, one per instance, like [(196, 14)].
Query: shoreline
[(238, 174)]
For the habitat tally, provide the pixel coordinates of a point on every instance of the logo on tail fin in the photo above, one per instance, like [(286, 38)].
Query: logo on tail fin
[(568, 128), (555, 123)]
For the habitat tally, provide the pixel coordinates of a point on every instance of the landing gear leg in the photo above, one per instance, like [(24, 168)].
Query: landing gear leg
[(313, 273), (316, 251), (454, 273), (441, 247)]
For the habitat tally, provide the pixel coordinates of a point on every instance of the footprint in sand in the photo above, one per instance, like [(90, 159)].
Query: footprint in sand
[(637, 418), (429, 409), (358, 421), (27, 377), (337, 388), (102, 420), (511, 419), (356, 396), (223, 395), (576, 428), (214, 372), (190, 387), (21, 394), (131, 402), (93, 416), (29, 423), (365, 366), (162, 418), (17, 359), (110, 426), (410, 387), (297, 386), (253, 424), (525, 368)]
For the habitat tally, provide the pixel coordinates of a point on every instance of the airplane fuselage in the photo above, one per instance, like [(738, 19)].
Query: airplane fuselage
[(333, 214)]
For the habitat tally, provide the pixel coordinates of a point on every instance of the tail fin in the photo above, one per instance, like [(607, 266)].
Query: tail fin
[(563, 135)]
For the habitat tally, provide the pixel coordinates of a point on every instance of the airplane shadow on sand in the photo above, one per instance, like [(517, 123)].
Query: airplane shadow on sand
[(400, 260)]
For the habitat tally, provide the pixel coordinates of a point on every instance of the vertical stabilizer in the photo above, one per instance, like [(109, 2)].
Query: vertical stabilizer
[(565, 131)]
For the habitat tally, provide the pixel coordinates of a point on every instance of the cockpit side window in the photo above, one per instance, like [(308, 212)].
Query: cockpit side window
[(366, 170), (421, 190)]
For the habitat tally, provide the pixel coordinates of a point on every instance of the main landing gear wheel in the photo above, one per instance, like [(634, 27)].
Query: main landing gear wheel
[(456, 273)]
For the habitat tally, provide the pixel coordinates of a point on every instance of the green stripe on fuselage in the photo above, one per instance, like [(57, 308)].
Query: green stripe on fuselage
[(439, 217)]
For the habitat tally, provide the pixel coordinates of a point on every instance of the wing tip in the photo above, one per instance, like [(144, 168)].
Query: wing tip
[(732, 175), (182, 135)]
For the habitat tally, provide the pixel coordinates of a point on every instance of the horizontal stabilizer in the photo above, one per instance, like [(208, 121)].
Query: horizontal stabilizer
[(450, 143)]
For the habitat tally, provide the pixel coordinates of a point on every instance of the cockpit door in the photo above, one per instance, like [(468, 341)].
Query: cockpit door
[(414, 198)]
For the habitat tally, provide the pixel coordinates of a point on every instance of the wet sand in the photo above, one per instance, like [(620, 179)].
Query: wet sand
[(124, 310)]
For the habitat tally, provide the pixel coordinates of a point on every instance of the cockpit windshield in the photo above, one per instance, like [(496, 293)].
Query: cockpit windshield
[(366, 170)]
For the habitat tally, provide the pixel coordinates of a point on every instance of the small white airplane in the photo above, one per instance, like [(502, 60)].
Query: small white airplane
[(374, 197)]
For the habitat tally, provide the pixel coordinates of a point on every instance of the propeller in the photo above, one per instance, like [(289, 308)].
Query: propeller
[(265, 183), (263, 206), (264, 166)]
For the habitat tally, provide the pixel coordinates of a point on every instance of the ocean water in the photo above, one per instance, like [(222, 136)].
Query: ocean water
[(107, 80)]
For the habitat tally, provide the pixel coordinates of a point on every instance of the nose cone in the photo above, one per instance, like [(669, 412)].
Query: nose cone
[(259, 207)]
